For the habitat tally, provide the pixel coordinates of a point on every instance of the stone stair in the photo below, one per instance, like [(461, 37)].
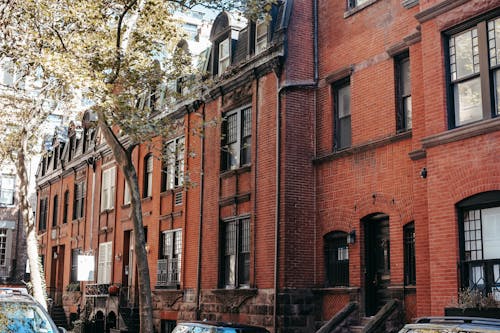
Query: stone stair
[(357, 327), (59, 316)]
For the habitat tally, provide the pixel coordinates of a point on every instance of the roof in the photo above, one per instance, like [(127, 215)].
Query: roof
[(453, 324), (249, 328)]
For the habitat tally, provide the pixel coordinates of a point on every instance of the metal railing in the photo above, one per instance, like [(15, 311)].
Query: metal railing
[(167, 272), (96, 290)]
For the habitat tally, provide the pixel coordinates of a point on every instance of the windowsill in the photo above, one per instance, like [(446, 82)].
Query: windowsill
[(74, 221), (236, 291), (172, 191), (363, 147), (127, 205), (337, 290), (462, 133), (147, 199), (356, 9), (107, 211), (236, 171)]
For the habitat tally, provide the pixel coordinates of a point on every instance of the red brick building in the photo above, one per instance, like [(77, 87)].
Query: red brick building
[(358, 165)]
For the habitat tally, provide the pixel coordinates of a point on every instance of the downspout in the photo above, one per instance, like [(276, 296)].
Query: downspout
[(314, 136), (255, 176), (281, 88), (200, 227)]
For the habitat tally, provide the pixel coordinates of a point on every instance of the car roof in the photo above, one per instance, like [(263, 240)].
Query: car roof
[(223, 324), (456, 324)]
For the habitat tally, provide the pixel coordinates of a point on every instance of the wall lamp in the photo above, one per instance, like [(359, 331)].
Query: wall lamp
[(423, 173), (351, 237)]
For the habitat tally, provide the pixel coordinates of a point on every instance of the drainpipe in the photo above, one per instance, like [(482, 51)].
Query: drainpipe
[(316, 79), (200, 226), (255, 175), (280, 89)]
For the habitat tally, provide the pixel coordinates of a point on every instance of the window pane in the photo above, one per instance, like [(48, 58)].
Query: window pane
[(407, 111), (468, 102), (464, 53), (494, 41), (491, 233), (344, 100), (496, 77)]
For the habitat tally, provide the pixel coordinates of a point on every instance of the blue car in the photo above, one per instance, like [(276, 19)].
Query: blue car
[(21, 313)]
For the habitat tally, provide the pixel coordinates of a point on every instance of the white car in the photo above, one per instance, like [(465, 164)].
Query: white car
[(453, 325), (21, 313)]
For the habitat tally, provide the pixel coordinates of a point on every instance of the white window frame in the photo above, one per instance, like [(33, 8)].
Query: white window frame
[(108, 189), (174, 163), (127, 197), (224, 57), (7, 189), (105, 263), (148, 174), (261, 38), (3, 247)]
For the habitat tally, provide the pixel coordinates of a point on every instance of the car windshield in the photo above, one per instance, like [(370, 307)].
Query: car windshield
[(23, 318)]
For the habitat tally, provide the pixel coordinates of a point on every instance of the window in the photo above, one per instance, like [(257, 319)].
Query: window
[(105, 263), (148, 176), (480, 242), (126, 194), (337, 259), (55, 211), (44, 211), (342, 101), (409, 254), (173, 165), (403, 93), (472, 79), (236, 252), (108, 189), (169, 261), (79, 201), (261, 28), (3, 247), (74, 265), (224, 53), (355, 3), (236, 139), (66, 206), (7, 189)]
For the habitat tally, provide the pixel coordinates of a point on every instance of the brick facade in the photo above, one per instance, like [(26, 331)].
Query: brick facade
[(300, 188)]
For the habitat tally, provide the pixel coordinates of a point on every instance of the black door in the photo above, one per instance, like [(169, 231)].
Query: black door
[(377, 262)]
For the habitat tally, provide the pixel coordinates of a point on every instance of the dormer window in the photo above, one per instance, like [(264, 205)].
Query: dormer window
[(224, 60), (261, 28)]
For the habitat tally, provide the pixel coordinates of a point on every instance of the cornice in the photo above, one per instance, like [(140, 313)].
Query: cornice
[(438, 9)]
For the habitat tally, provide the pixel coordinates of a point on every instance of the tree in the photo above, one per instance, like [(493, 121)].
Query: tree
[(28, 95), (113, 52)]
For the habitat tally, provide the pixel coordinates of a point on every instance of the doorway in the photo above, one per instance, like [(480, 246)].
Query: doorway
[(377, 262)]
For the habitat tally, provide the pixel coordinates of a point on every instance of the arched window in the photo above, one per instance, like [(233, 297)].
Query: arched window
[(479, 225), (148, 176), (336, 259)]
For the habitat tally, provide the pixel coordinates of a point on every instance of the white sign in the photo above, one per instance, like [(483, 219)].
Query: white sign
[(86, 268)]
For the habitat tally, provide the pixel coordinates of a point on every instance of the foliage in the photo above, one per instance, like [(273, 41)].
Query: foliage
[(73, 286), (473, 298)]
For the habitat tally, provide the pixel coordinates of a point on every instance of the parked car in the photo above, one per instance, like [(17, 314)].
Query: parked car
[(452, 325), (21, 313), (216, 327)]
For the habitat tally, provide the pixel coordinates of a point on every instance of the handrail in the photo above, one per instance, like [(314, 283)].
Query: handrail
[(381, 316), (339, 317)]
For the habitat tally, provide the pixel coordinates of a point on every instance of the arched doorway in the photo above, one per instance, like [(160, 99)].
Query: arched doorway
[(377, 258)]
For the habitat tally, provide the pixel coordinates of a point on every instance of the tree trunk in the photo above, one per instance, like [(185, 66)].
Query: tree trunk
[(36, 272), (124, 161)]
